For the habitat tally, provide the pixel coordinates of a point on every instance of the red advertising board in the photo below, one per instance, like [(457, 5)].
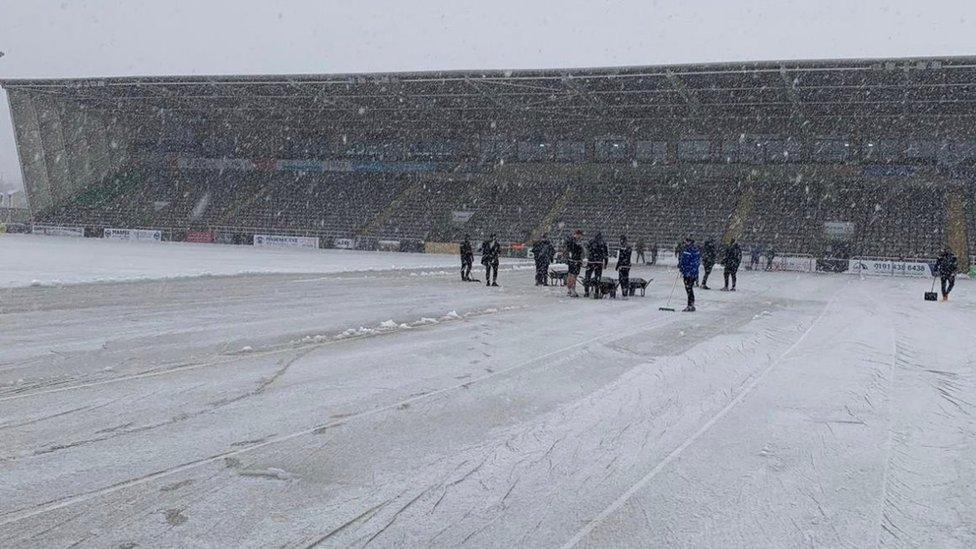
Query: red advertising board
[(199, 236)]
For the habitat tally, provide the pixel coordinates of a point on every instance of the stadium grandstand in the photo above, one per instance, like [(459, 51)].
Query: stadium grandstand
[(855, 157)]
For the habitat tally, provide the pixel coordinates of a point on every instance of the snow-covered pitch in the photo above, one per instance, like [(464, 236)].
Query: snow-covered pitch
[(298, 398)]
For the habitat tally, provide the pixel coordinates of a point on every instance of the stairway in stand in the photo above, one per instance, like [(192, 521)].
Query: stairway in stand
[(956, 226), (557, 208), (741, 214)]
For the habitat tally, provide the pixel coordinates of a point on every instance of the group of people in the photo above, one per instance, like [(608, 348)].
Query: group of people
[(694, 263), (690, 257), (639, 248), (757, 252), (491, 251), (595, 257)]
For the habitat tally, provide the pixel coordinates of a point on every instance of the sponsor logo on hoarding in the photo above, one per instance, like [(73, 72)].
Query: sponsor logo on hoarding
[(286, 241), (55, 230), (203, 237), (344, 243), (136, 235), (888, 268)]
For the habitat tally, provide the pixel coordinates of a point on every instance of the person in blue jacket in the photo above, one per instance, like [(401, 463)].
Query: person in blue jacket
[(688, 265)]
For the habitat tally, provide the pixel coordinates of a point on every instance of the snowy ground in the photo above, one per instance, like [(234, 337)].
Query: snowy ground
[(45, 260), (287, 410)]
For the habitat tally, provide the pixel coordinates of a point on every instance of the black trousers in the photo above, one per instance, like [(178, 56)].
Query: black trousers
[(640, 257), (623, 275), (708, 271), (491, 271), (729, 272), (594, 272), (466, 263), (947, 283), (690, 290), (542, 272)]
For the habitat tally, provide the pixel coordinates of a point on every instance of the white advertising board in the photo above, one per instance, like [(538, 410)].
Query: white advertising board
[(56, 230), (879, 267), (286, 241), (136, 235)]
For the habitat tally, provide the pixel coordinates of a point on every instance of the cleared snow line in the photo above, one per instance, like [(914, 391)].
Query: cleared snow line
[(239, 356), (54, 505), (643, 482)]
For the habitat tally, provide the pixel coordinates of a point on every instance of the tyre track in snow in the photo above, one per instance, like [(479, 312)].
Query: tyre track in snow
[(566, 353), (906, 509), (628, 494), (883, 521)]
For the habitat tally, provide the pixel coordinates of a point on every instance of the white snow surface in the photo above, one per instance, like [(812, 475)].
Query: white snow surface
[(47, 260), (397, 411)]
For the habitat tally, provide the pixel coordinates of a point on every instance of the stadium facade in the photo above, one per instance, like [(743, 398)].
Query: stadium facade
[(869, 157)]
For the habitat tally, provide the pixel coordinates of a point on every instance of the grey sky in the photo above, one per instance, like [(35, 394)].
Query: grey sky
[(58, 38)]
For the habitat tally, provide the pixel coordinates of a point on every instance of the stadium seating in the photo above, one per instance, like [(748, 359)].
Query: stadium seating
[(893, 217)]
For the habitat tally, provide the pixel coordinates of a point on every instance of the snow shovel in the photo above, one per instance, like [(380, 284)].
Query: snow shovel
[(666, 305), (932, 296)]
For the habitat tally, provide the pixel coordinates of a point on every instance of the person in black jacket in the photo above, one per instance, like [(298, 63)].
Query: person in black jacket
[(654, 249), (597, 258), (708, 257), (490, 252), (640, 251), (731, 261), (543, 252), (574, 261), (946, 266), (467, 258), (623, 265)]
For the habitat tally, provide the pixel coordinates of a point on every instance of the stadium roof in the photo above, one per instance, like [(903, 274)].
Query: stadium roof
[(803, 90)]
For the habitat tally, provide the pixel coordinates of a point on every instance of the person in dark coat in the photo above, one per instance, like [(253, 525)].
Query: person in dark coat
[(639, 248), (623, 265), (491, 250), (688, 263), (654, 249), (731, 261), (708, 258), (597, 258), (467, 258), (574, 261), (946, 267), (543, 252), (770, 255)]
